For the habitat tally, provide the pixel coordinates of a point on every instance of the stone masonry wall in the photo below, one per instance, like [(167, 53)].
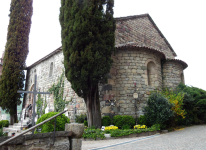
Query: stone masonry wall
[(131, 65), (172, 74), (45, 81)]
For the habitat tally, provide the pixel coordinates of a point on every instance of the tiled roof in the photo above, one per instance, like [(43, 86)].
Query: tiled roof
[(134, 45), (119, 45), (46, 57), (141, 29), (184, 64)]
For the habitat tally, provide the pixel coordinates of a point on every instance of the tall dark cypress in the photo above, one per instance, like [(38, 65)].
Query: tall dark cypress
[(88, 41), (16, 50)]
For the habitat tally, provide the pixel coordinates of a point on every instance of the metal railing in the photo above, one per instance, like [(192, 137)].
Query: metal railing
[(32, 128)]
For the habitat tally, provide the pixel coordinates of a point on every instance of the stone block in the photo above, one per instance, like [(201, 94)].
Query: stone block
[(122, 92), (76, 144), (143, 67), (76, 128), (134, 71), (106, 109), (121, 101), (111, 82)]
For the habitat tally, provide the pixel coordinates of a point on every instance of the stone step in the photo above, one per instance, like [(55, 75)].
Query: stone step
[(17, 127)]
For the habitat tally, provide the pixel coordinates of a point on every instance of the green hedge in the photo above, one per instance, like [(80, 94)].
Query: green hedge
[(119, 121), (106, 121), (49, 126), (4, 123)]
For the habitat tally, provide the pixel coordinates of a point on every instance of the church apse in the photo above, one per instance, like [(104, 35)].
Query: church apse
[(173, 72)]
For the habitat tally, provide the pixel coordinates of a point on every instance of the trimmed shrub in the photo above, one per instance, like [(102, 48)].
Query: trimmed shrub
[(80, 118), (4, 123), (106, 121), (49, 126), (119, 121), (142, 120), (158, 110)]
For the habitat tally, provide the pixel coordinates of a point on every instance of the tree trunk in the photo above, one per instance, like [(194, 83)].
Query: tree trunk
[(13, 116), (93, 108)]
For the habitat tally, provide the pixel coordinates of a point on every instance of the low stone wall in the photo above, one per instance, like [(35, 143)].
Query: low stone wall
[(70, 139)]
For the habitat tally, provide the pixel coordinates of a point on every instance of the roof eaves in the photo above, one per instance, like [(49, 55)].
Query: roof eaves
[(134, 45), (185, 65), (44, 58)]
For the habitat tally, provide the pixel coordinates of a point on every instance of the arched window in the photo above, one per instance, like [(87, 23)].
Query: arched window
[(151, 71), (51, 69)]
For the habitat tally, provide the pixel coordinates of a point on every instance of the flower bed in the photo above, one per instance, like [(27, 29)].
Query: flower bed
[(115, 132)]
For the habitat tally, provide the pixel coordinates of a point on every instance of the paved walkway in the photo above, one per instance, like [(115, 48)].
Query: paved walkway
[(190, 138)]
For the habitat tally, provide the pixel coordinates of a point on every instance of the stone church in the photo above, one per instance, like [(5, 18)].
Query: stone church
[(143, 55)]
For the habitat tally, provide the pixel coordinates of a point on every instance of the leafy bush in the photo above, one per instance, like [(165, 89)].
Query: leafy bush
[(156, 127), (142, 120), (106, 121), (125, 127), (201, 105), (80, 118), (158, 109), (4, 123), (177, 100), (85, 123), (119, 121), (1, 132), (194, 108), (93, 133), (49, 126)]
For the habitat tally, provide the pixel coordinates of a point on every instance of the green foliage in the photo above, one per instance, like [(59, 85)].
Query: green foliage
[(1, 132), (80, 118), (4, 123), (88, 42), (85, 123), (158, 109), (156, 127), (93, 133), (119, 121), (106, 121), (201, 105), (49, 126), (193, 104), (125, 127), (142, 120), (58, 91), (16, 50), (41, 106)]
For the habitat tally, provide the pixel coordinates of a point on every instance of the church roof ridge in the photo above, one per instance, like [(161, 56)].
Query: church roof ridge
[(155, 26)]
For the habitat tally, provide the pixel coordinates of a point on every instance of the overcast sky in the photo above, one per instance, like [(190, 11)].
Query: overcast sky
[(182, 22)]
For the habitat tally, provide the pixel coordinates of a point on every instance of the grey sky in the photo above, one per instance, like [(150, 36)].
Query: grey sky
[(182, 22)]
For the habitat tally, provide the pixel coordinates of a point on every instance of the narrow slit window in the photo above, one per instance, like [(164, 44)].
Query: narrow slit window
[(51, 69)]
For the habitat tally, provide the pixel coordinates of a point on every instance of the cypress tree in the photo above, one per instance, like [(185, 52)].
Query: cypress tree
[(88, 41), (16, 50)]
